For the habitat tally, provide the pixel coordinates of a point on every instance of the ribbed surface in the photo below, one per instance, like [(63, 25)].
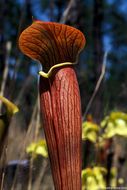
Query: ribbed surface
[(60, 106), (51, 43)]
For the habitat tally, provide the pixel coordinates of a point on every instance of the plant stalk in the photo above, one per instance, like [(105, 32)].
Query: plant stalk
[(61, 112)]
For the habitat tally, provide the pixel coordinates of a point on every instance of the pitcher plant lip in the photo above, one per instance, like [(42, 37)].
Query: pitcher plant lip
[(49, 73), (51, 43), (57, 46)]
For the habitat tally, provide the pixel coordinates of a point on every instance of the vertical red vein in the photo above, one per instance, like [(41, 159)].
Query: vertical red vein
[(59, 97)]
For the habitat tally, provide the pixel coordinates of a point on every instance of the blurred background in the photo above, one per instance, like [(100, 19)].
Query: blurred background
[(104, 24)]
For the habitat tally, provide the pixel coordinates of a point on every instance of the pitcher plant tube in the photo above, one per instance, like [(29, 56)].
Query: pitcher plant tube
[(57, 46)]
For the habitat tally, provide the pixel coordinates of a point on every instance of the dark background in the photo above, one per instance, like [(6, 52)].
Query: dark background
[(104, 24)]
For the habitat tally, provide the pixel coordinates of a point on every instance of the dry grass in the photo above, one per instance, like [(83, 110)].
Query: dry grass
[(22, 172)]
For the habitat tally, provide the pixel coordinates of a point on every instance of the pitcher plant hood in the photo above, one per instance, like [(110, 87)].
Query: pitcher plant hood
[(51, 43), (57, 46)]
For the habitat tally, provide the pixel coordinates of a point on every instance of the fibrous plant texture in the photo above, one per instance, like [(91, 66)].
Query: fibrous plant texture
[(57, 46)]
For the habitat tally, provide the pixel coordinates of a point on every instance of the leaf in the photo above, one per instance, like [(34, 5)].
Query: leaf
[(115, 124), (93, 178), (109, 131), (117, 115), (38, 148), (104, 121), (89, 131), (91, 136), (113, 177), (11, 108), (91, 183), (86, 172), (5, 120), (2, 127)]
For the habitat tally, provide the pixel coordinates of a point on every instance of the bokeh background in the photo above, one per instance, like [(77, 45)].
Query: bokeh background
[(104, 24)]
